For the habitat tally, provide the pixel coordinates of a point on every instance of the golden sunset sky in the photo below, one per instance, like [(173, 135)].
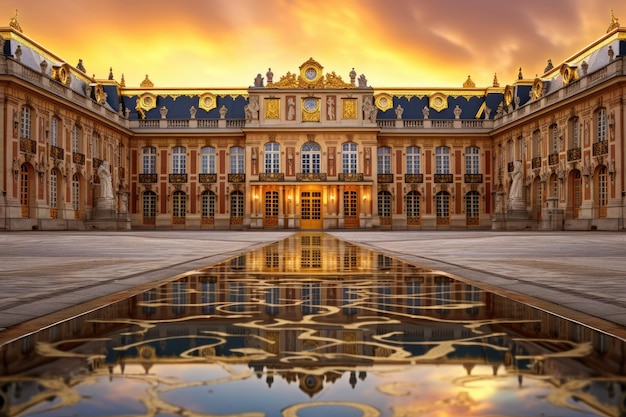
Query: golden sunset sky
[(395, 43)]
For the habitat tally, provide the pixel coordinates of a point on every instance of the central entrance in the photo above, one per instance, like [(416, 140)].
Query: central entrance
[(311, 209)]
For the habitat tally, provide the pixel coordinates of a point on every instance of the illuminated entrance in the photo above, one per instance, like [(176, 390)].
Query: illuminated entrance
[(311, 209)]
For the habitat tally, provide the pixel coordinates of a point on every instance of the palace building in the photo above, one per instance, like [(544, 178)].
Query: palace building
[(312, 149)]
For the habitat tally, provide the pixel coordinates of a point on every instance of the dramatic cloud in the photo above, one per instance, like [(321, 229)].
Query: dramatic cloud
[(400, 43)]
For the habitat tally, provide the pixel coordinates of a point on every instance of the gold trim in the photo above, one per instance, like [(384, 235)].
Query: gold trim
[(438, 102), (207, 101), (61, 72), (568, 73), (508, 95), (383, 101), (349, 108), (146, 101), (310, 115), (480, 111), (537, 89), (272, 108)]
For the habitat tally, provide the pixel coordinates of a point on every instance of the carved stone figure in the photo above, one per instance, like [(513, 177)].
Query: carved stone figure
[(425, 112), (487, 112), (192, 112), (106, 187), (270, 76), (362, 81), (330, 108), (252, 109), (457, 112), (399, 111), (369, 110), (291, 109), (352, 76), (516, 177), (163, 112), (223, 111), (258, 81)]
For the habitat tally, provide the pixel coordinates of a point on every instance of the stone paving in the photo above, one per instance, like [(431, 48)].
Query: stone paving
[(580, 275)]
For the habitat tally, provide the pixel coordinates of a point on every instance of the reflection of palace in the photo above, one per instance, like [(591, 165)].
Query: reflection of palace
[(290, 320), (312, 149)]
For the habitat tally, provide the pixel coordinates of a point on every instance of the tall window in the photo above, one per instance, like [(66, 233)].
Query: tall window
[(536, 144), (472, 160), (95, 146), (472, 208), (208, 204), (76, 194), (413, 160), (601, 125), (384, 206), (603, 193), (25, 125), (179, 207), (573, 132), (384, 160), (24, 190), (207, 163), (442, 160), (311, 157), (148, 160), (54, 132), (179, 160), (75, 139), (53, 193), (272, 158), (149, 207), (237, 160), (577, 192), (554, 139), (349, 156), (442, 203), (236, 204)]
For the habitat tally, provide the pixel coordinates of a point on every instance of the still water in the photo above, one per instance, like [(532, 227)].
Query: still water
[(312, 326)]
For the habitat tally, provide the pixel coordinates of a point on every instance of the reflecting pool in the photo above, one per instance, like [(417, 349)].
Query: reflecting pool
[(313, 326)]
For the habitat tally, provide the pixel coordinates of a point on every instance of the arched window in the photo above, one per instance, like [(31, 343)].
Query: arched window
[(149, 208), (601, 125), (554, 139), (207, 162), (54, 192), (349, 155), (442, 206), (413, 215), (384, 160), (76, 148), (577, 193), (76, 195), (272, 158), (148, 160), (311, 158), (25, 190), (54, 131), (602, 193), (472, 208), (237, 160), (442, 160), (384, 208), (413, 160), (472, 160), (179, 160), (208, 207), (179, 207), (25, 123), (236, 208)]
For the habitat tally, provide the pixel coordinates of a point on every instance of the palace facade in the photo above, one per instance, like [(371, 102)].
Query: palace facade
[(312, 149)]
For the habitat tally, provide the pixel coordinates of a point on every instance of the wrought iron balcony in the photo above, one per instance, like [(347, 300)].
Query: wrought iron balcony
[(600, 148), (536, 162), (28, 146), (574, 154), (553, 159), (272, 176), (207, 178), (385, 178), (413, 178), (237, 178), (78, 158), (177, 178), (350, 177), (473, 178), (57, 153), (444, 178), (310, 177), (148, 178)]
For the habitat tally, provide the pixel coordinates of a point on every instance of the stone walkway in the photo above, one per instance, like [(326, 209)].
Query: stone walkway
[(580, 275)]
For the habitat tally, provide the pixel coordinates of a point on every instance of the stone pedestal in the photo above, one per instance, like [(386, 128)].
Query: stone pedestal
[(107, 217)]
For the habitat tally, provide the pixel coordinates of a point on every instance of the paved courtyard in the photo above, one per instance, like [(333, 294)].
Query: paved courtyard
[(45, 275)]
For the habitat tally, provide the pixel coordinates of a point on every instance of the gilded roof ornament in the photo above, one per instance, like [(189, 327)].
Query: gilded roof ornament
[(123, 81), (14, 23), (146, 83), (334, 81), (469, 83), (288, 80), (614, 24), (495, 80)]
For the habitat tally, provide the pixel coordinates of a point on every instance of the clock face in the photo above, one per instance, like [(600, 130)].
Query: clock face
[(310, 104), (310, 73)]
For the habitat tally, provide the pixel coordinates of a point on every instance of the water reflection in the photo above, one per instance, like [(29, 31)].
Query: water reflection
[(312, 326)]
